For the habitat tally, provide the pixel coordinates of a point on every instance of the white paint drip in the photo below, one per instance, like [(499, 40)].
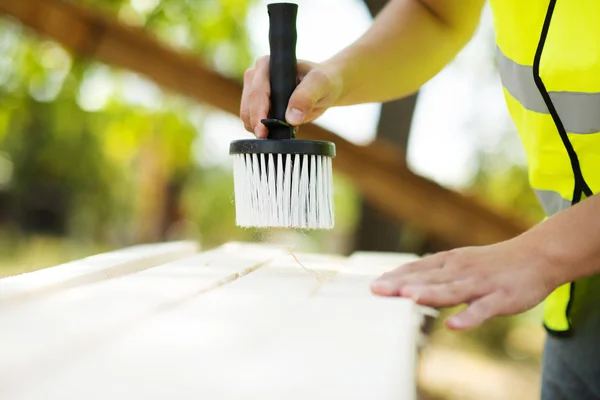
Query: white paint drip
[(298, 194)]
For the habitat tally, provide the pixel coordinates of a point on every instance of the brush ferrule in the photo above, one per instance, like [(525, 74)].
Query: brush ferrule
[(283, 146), (279, 129)]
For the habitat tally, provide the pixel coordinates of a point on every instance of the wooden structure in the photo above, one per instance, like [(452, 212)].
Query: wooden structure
[(243, 321), (376, 170)]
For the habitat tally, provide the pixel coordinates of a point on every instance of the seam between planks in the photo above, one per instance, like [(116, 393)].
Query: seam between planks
[(123, 268), (104, 336)]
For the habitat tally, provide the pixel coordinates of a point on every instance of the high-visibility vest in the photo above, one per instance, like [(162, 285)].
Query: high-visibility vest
[(549, 61)]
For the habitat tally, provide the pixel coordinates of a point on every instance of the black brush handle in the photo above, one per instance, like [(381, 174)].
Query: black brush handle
[(282, 65)]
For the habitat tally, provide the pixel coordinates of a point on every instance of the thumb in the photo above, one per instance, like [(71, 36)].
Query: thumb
[(311, 89), (477, 312)]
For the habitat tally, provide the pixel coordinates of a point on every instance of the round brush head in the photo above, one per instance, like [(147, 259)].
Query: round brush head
[(284, 183)]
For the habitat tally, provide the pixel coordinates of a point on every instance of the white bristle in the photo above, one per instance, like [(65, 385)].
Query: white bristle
[(290, 191)]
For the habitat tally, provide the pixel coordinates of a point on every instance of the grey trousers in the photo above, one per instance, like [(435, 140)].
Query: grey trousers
[(571, 365)]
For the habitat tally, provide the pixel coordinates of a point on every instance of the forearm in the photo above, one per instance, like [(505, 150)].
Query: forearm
[(570, 242), (409, 42)]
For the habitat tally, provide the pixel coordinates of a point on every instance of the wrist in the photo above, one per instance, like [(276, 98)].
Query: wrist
[(555, 261), (342, 70)]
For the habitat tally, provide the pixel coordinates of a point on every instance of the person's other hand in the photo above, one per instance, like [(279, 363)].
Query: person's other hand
[(318, 89), (497, 280)]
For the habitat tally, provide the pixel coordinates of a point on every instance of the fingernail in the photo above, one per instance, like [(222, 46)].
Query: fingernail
[(383, 287), (455, 323), (258, 132), (294, 116)]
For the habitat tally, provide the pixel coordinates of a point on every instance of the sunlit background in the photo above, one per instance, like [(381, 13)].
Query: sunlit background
[(94, 158)]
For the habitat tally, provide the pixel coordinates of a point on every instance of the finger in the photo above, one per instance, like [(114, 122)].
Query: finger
[(304, 68), (477, 312), (258, 98), (391, 283), (421, 265), (427, 277), (385, 288), (315, 85), (445, 295), (433, 261), (244, 110)]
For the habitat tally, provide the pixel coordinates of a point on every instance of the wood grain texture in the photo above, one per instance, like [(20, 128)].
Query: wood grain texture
[(242, 321), (45, 336), (377, 170), (89, 270)]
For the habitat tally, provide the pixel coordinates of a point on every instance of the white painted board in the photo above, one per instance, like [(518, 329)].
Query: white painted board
[(242, 321)]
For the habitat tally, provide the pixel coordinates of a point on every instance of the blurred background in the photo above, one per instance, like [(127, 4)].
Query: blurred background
[(94, 157)]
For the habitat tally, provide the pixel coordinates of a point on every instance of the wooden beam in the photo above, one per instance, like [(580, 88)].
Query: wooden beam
[(376, 170)]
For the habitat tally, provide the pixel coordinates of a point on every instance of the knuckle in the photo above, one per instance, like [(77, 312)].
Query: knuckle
[(452, 254), (245, 116), (262, 62), (417, 278), (387, 275), (320, 75), (256, 94), (249, 73), (410, 266), (455, 288), (490, 304), (457, 259), (505, 292), (302, 99), (449, 259)]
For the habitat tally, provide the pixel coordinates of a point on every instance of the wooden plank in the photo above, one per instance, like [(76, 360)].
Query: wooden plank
[(338, 344), (190, 329), (91, 269), (41, 336), (377, 170), (169, 304), (332, 348), (343, 342)]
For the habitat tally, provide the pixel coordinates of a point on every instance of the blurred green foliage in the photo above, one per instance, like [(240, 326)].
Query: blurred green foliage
[(102, 155)]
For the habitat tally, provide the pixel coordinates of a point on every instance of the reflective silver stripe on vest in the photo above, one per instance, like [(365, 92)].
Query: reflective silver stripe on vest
[(552, 202), (579, 112)]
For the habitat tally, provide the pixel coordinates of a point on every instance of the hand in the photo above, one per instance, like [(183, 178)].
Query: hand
[(498, 280), (318, 89)]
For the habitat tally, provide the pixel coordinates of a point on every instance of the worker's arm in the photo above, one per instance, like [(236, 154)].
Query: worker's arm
[(409, 42), (505, 278)]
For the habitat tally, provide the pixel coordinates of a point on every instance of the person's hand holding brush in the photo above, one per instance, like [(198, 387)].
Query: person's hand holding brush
[(318, 89)]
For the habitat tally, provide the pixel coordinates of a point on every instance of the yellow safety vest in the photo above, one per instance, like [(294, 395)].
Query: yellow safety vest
[(549, 61)]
